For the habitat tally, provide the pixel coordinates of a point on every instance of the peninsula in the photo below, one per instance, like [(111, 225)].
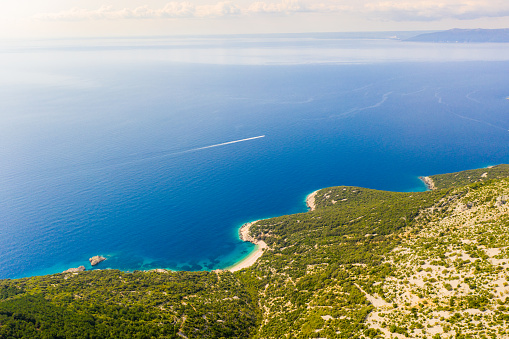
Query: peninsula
[(464, 35), (361, 263), (428, 182)]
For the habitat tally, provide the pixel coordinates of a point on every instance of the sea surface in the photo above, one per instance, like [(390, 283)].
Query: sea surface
[(154, 151)]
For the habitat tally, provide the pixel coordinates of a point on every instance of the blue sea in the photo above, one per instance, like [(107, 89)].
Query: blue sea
[(154, 151)]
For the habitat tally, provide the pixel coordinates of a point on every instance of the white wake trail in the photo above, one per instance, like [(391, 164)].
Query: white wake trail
[(84, 167), (225, 143), (198, 149)]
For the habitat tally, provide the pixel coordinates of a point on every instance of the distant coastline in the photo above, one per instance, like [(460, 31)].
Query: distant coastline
[(457, 35)]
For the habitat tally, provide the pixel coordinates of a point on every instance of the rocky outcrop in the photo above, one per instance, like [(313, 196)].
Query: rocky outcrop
[(97, 259), (244, 232), (430, 184), (75, 270)]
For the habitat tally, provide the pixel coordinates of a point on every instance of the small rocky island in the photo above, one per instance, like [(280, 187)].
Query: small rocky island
[(96, 259)]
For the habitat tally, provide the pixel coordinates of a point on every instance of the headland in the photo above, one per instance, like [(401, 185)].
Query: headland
[(310, 200), (430, 184)]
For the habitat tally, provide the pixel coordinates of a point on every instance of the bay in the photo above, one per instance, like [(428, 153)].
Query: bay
[(105, 144)]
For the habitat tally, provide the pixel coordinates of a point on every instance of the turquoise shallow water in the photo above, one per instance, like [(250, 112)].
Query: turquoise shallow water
[(107, 150)]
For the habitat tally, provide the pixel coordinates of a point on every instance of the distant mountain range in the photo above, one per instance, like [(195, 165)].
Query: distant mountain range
[(465, 35)]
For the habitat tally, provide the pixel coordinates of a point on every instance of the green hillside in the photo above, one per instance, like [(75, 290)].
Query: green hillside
[(470, 176), (364, 264), (114, 304)]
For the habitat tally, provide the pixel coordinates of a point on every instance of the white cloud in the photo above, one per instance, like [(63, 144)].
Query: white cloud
[(187, 10), (225, 8), (170, 10), (76, 14), (286, 6), (294, 6), (437, 10), (398, 10)]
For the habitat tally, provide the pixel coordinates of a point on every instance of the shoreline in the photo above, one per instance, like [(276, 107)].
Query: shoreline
[(260, 247), (430, 184), (243, 232), (310, 200)]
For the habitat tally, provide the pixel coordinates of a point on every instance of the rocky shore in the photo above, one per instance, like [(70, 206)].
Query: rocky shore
[(244, 232), (75, 269), (310, 201), (430, 184)]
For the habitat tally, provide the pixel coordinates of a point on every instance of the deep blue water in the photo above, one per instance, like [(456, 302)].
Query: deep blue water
[(98, 139)]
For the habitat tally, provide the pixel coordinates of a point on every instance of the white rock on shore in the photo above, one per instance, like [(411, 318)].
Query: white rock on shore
[(244, 232), (75, 269), (430, 184), (310, 201), (96, 259)]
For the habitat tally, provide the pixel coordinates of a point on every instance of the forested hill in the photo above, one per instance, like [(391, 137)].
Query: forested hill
[(365, 263), (464, 35)]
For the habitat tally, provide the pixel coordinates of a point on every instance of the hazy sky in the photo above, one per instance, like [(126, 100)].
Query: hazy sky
[(57, 18)]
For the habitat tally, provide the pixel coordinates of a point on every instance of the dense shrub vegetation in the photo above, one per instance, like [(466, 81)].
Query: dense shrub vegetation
[(114, 304), (471, 176)]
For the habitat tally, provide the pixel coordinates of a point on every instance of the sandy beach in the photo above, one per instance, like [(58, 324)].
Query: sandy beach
[(260, 244), (310, 201), (250, 259)]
